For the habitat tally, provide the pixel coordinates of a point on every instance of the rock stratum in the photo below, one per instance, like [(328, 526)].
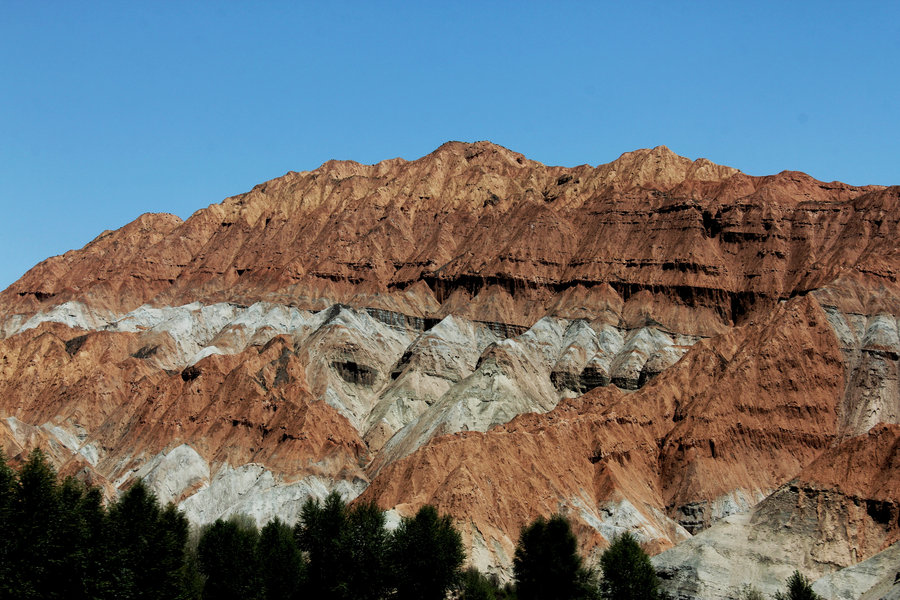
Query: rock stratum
[(672, 347)]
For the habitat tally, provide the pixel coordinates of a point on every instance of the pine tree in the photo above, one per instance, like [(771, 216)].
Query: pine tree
[(281, 562), (546, 562), (38, 551), (363, 546), (98, 574), (227, 556), (173, 535), (476, 586), (627, 571), (8, 485), (76, 538), (147, 547), (319, 534), (426, 555)]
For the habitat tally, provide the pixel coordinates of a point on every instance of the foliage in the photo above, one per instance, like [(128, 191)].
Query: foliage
[(37, 547), (627, 571), (426, 555), (58, 540), (477, 586), (147, 546), (798, 588), (227, 556), (318, 533), (748, 592), (363, 547), (282, 567), (546, 562), (8, 486)]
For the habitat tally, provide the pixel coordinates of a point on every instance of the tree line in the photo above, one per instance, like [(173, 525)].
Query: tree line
[(58, 539)]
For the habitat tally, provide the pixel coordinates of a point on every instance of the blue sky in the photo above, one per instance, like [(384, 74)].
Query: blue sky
[(109, 110)]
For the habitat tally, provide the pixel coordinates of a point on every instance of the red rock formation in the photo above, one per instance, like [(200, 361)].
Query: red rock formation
[(248, 407), (494, 235), (791, 283), (745, 411)]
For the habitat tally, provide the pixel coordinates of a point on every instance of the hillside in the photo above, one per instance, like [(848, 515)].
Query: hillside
[(654, 344)]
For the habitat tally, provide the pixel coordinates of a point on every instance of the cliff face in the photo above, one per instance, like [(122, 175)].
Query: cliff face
[(652, 344), (495, 237)]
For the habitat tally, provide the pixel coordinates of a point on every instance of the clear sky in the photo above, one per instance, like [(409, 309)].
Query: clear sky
[(109, 110)]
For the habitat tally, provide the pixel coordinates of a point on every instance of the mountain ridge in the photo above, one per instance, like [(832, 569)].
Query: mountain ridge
[(655, 344)]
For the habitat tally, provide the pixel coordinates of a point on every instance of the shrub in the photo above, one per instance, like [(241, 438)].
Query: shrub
[(798, 588)]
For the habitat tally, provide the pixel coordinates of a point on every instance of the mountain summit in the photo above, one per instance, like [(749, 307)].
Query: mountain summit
[(655, 344)]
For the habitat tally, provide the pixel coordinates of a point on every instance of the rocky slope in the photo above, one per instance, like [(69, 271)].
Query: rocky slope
[(842, 507), (654, 344)]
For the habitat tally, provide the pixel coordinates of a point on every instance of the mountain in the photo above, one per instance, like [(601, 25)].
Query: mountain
[(655, 344)]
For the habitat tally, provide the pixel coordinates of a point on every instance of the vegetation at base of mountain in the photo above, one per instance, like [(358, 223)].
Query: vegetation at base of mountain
[(58, 540), (627, 571), (547, 565), (425, 556), (798, 588)]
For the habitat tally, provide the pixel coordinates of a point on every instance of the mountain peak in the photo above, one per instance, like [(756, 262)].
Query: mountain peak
[(660, 166), (480, 152)]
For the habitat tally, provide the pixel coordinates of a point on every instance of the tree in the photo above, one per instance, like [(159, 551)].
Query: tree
[(53, 538), (476, 586), (546, 563), (319, 533), (281, 563), (82, 531), (798, 588), (363, 544), (627, 571), (748, 592), (227, 556), (8, 485), (425, 556), (38, 551), (147, 547), (97, 576)]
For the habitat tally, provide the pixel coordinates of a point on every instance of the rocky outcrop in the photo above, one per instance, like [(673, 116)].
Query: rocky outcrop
[(841, 509), (655, 344), (698, 443), (478, 231)]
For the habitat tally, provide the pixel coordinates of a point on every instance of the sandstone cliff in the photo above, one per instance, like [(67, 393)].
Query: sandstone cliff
[(654, 344)]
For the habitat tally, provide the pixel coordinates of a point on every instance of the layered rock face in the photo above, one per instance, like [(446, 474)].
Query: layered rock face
[(655, 344)]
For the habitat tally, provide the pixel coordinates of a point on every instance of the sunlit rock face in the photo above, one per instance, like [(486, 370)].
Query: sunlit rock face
[(658, 345)]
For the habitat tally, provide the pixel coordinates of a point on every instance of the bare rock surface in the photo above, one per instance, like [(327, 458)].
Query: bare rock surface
[(841, 509), (656, 344)]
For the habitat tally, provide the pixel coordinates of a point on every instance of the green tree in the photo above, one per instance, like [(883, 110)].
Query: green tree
[(227, 556), (546, 563), (53, 538), (147, 547), (318, 533), (426, 555), (8, 486), (627, 571), (191, 575), (38, 550), (798, 588), (748, 592), (281, 563), (476, 585), (97, 576), (363, 546), (82, 532)]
